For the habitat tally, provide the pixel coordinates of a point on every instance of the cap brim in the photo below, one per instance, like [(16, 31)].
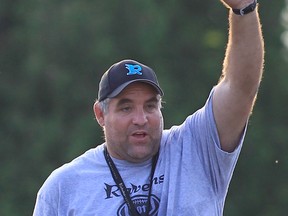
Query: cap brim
[(120, 88)]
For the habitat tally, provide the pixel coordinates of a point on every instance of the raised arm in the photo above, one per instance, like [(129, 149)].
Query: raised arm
[(236, 92)]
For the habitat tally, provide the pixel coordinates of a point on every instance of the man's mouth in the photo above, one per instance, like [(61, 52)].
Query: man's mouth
[(139, 134)]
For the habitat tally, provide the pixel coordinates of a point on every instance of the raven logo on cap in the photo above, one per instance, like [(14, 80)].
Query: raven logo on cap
[(134, 69)]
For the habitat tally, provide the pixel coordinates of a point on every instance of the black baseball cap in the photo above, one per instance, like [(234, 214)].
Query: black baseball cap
[(123, 73)]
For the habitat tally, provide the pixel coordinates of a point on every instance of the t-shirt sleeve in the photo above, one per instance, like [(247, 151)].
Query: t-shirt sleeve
[(43, 208), (201, 140)]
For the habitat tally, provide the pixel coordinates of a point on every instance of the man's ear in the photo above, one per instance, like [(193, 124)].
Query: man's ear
[(98, 114)]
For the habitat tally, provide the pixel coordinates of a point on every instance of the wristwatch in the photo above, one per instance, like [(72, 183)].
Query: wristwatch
[(251, 7)]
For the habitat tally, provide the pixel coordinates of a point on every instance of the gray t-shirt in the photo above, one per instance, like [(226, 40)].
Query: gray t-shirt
[(191, 177)]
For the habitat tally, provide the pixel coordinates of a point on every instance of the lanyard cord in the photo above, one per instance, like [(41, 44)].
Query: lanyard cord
[(120, 183)]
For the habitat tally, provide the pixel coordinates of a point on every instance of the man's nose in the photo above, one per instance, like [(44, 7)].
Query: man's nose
[(140, 117)]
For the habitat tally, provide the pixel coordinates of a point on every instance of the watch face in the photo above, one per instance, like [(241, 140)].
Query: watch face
[(246, 10)]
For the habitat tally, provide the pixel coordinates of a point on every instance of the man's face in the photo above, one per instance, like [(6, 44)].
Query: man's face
[(133, 124)]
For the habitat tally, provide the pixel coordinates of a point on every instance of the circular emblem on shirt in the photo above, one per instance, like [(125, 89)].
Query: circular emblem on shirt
[(140, 203)]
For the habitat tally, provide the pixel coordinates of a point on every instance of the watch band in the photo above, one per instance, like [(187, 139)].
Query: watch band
[(251, 7)]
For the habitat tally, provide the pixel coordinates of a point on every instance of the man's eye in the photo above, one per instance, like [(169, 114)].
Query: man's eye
[(126, 109), (151, 106)]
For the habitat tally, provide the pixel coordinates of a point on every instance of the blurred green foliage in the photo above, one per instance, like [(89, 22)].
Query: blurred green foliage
[(53, 53)]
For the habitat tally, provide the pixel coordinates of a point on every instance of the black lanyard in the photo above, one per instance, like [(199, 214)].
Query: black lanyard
[(119, 181)]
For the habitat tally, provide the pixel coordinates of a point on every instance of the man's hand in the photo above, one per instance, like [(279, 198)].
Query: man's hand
[(236, 4)]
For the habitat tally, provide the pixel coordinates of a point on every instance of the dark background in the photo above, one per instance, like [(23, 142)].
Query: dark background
[(53, 53)]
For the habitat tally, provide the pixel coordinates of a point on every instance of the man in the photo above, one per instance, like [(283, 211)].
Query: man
[(142, 169)]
